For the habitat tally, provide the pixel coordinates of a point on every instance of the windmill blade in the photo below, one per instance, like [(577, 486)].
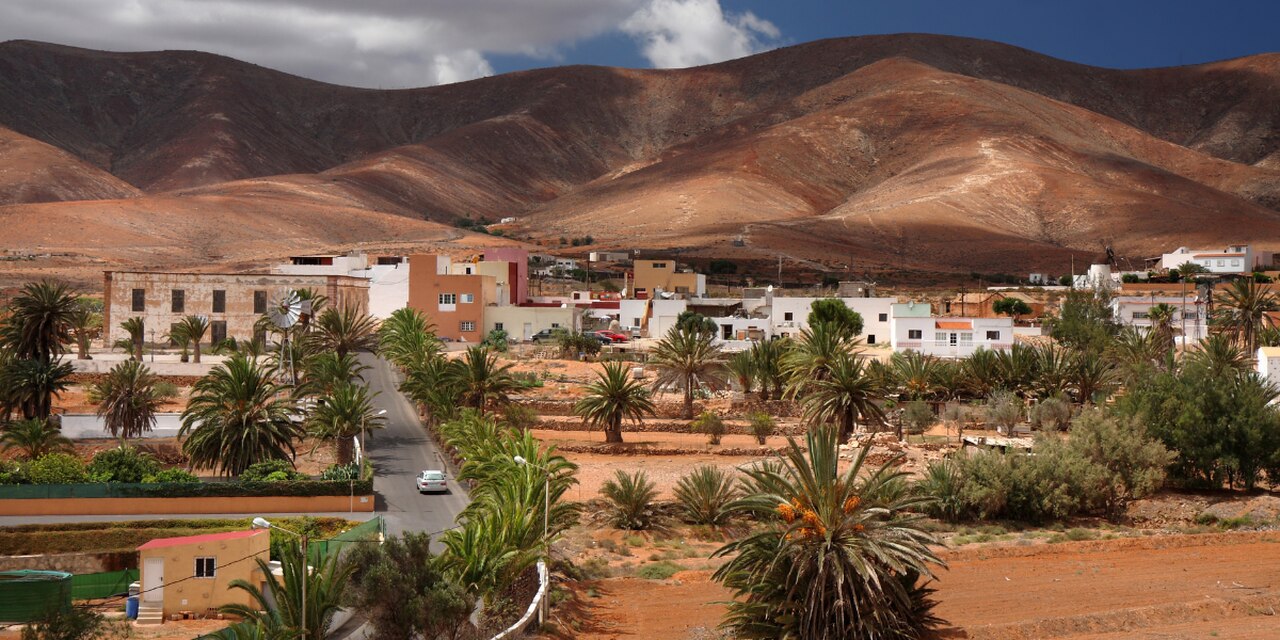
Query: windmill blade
[(286, 311)]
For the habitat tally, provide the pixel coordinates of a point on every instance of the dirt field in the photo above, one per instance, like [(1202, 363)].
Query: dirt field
[(1168, 587)]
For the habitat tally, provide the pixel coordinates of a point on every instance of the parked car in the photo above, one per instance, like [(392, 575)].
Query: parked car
[(613, 336), (547, 335), (602, 338), (431, 481)]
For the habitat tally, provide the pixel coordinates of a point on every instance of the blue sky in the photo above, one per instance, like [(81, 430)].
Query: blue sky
[(404, 43)]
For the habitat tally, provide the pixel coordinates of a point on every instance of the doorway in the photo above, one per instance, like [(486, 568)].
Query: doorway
[(153, 580)]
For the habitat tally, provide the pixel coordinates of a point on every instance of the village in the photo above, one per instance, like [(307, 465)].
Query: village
[(600, 424)]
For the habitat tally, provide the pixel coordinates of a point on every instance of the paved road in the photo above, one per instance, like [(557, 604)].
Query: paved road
[(400, 451)]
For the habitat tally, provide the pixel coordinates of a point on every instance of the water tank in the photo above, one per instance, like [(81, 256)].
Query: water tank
[(26, 595), (131, 608)]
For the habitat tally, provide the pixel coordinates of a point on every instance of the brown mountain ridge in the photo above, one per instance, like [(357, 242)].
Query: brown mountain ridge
[(909, 151)]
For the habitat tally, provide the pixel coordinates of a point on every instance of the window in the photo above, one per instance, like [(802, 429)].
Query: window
[(217, 331), (1221, 263), (682, 289), (466, 326), (915, 334), (951, 339), (468, 298), (993, 335), (1141, 315), (884, 317), (940, 337), (635, 322), (497, 326), (177, 300), (871, 338), (139, 299), (206, 567), (219, 301), (788, 316), (659, 265), (966, 339), (259, 301), (448, 298)]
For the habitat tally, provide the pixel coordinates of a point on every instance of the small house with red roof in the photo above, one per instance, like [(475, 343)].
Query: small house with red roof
[(192, 575)]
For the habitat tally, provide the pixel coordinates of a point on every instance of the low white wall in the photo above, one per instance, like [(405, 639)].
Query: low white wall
[(87, 426)]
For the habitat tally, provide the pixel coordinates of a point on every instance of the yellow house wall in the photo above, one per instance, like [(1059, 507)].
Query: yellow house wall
[(200, 594)]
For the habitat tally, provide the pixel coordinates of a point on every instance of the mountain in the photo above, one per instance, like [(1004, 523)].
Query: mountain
[(32, 171), (915, 152)]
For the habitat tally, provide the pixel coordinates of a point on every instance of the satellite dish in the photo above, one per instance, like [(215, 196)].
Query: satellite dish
[(286, 311)]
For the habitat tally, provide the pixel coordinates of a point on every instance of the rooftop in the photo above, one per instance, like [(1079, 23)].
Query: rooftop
[(160, 543)]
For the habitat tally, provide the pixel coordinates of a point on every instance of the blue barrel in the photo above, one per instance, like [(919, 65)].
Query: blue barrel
[(131, 608)]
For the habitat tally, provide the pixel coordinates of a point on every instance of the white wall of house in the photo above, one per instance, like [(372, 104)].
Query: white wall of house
[(1134, 311), (1240, 258), (951, 337), (388, 289), (1268, 365), (664, 316), (790, 316), (632, 313), (521, 323)]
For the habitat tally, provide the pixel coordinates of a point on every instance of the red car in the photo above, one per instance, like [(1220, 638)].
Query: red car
[(612, 335)]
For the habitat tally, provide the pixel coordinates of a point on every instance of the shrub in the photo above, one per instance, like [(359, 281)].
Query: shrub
[(496, 341), (1126, 463), (762, 426), (944, 482), (704, 495), (1052, 413), (271, 471), (572, 344), (12, 473), (122, 464), (917, 416), (57, 468), (518, 416), (171, 475), (710, 424), (165, 390), (659, 570), (341, 472), (630, 498), (1004, 409)]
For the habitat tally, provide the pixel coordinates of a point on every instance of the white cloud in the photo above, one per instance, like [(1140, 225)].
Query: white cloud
[(686, 33)]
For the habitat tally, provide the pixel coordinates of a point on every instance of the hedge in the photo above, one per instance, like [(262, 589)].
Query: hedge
[(294, 489), (75, 537)]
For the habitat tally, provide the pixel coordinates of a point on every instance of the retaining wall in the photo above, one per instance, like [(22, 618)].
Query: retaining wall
[(186, 505)]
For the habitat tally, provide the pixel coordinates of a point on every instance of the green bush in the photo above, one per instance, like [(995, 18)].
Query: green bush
[(630, 498), (762, 426), (710, 424), (496, 341), (704, 495), (271, 471), (341, 472), (659, 570), (944, 482), (122, 464), (518, 416), (166, 390), (572, 344), (12, 473), (1053, 413), (171, 476), (57, 468), (917, 416)]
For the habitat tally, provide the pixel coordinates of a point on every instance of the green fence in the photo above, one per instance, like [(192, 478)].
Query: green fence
[(369, 531), (301, 488), (101, 585), (27, 595)]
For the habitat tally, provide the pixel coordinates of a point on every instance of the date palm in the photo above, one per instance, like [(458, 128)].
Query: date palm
[(29, 386), (85, 322), (1054, 368), (847, 394), (811, 357), (345, 330), (1092, 375), (767, 355), (344, 414), (480, 381), (127, 400), (1242, 311), (917, 373), (1134, 354), (743, 369), (840, 555), (1219, 356), (39, 321), (133, 344), (407, 338), (238, 415), (325, 372), (982, 372), (1016, 368), (612, 398), (1161, 316), (430, 386), (280, 615), (191, 329), (33, 438), (686, 361)]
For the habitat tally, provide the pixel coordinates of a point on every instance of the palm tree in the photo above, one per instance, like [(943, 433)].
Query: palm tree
[(84, 322), (407, 338), (1016, 368), (810, 358), (612, 398), (1219, 356), (479, 380), (324, 372), (191, 329), (846, 394), (1161, 316), (982, 371), (687, 360), (1134, 353), (137, 335), (1054, 368), (430, 385), (29, 386), (127, 400), (33, 439), (1092, 375), (345, 330), (280, 616), (767, 355), (39, 321), (238, 415), (344, 414), (917, 373), (839, 556), (1242, 311), (743, 369)]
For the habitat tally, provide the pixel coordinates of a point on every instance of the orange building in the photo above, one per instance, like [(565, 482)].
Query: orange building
[(194, 573), (454, 302)]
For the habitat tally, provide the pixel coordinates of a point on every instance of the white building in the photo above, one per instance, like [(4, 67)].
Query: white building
[(521, 323), (1190, 315), (388, 277), (1269, 364), (915, 328), (790, 316), (1236, 258)]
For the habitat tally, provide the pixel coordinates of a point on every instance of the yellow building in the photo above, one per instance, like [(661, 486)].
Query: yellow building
[(194, 573), (654, 275)]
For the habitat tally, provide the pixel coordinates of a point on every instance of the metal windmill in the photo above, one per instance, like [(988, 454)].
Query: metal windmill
[(284, 314)]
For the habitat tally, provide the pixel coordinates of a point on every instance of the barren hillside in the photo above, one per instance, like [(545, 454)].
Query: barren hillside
[(908, 151)]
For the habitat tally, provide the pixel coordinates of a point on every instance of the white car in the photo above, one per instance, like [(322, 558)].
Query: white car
[(430, 481)]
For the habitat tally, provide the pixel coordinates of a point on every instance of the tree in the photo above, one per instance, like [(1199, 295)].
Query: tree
[(1005, 409), (430, 385), (238, 415), (407, 338), (345, 330), (1242, 311), (705, 494), (694, 322), (838, 556), (1127, 463), (1189, 268), (1085, 321), (39, 321), (190, 330), (1220, 356), (1012, 307), (344, 414), (133, 344), (29, 385), (33, 438), (400, 586), (479, 380), (612, 398), (810, 359), (843, 397), (324, 372), (127, 400), (743, 369), (833, 312), (767, 358), (917, 416), (1093, 375), (687, 361), (916, 372), (280, 615), (85, 322)]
